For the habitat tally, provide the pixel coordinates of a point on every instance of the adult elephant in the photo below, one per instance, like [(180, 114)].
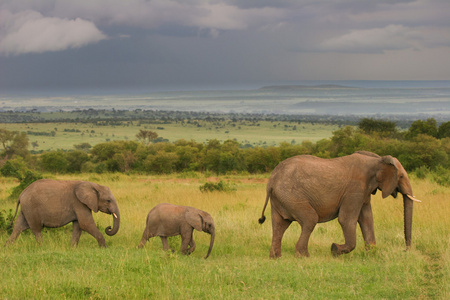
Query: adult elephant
[(312, 190), (53, 203)]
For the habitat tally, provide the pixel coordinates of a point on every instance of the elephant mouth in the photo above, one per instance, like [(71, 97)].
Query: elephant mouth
[(111, 213)]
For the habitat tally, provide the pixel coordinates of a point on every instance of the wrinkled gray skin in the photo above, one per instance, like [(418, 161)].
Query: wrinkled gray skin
[(53, 203), (313, 190), (170, 220)]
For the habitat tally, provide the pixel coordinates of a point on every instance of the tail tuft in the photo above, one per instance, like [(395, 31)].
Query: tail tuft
[(262, 219)]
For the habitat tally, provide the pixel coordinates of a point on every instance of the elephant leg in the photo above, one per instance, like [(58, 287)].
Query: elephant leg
[(302, 245), (165, 243), (87, 223), (365, 221), (348, 225), (279, 226), (191, 246), (186, 238), (308, 219), (20, 225), (76, 233), (36, 228), (145, 236)]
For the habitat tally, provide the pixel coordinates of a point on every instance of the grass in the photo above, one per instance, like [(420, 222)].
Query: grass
[(239, 266), (241, 131)]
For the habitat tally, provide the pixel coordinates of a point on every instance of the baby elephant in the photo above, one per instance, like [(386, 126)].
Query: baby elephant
[(169, 220)]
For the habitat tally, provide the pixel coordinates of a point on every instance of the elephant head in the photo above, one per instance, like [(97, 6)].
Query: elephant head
[(391, 179), (202, 221), (98, 197)]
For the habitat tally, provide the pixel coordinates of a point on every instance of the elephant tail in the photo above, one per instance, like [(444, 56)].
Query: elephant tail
[(15, 214), (263, 218)]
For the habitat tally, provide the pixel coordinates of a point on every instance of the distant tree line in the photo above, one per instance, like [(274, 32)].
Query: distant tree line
[(424, 147), (114, 117)]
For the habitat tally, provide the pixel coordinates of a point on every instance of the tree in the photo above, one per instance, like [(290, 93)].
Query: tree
[(83, 147), (347, 140), (428, 127), (369, 126), (54, 161), (14, 143), (146, 135), (444, 130), (6, 138), (75, 160)]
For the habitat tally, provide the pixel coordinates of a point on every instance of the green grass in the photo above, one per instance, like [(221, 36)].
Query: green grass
[(244, 132), (239, 266)]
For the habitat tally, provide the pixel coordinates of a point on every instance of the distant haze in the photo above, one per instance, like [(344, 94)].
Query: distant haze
[(381, 99)]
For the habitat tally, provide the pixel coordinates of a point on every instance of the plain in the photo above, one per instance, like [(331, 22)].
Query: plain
[(53, 136), (239, 266)]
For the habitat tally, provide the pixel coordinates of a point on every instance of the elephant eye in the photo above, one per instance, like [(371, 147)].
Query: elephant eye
[(109, 201)]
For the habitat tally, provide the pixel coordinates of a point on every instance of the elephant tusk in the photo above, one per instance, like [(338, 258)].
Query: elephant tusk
[(115, 216), (413, 199)]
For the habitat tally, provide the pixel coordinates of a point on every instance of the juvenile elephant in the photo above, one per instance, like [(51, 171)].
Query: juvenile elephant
[(53, 203), (313, 190), (169, 220)]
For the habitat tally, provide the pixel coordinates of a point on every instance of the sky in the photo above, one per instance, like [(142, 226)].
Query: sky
[(170, 44)]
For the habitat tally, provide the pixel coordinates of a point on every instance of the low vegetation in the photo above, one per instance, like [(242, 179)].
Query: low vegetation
[(226, 178), (425, 147), (239, 266)]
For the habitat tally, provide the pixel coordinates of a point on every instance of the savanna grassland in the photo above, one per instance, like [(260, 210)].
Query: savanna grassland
[(239, 266), (62, 135)]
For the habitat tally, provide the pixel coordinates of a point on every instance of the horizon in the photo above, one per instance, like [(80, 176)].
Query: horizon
[(142, 90)]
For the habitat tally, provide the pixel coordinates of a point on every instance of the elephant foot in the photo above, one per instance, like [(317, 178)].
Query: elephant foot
[(370, 247), (301, 254), (335, 251), (275, 255)]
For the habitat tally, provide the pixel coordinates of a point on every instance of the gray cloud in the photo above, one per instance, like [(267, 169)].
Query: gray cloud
[(391, 37), (30, 32), (174, 42)]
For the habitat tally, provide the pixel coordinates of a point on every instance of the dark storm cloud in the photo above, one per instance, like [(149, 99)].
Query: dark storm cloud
[(116, 42)]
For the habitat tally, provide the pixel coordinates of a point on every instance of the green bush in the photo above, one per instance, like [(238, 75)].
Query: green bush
[(422, 172), (55, 162), (10, 170), (15, 167), (441, 176), (28, 179), (6, 218), (217, 187)]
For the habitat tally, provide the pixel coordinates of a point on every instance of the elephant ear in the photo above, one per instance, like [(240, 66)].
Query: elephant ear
[(88, 195), (387, 176), (194, 218)]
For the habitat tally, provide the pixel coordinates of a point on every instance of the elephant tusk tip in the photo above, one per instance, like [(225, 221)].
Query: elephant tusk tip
[(115, 216), (414, 199)]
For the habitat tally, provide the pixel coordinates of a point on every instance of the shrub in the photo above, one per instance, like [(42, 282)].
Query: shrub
[(219, 187), (422, 172), (9, 170), (54, 161), (15, 167), (442, 176), (28, 179), (6, 218)]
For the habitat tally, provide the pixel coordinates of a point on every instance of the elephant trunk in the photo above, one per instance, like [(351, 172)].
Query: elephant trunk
[(213, 234), (408, 213), (116, 224)]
